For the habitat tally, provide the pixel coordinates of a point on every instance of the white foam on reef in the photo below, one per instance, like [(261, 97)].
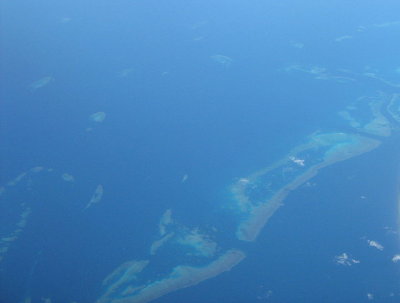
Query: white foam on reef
[(396, 258), (321, 150), (375, 244), (332, 147), (346, 260)]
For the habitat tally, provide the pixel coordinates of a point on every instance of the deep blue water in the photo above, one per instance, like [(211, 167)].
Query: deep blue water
[(179, 112)]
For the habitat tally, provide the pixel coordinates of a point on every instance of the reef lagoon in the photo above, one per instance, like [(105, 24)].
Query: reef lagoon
[(198, 151)]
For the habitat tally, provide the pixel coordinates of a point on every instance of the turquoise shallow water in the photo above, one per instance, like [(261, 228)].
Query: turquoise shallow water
[(192, 99)]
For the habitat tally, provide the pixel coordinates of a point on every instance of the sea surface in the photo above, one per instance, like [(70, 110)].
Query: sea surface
[(115, 114)]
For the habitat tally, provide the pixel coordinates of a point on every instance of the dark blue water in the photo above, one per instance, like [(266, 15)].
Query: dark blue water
[(177, 112)]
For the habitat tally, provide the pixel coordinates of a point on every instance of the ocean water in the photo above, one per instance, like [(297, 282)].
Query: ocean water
[(201, 151)]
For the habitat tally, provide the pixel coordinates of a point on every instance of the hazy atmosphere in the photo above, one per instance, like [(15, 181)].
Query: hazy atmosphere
[(199, 151)]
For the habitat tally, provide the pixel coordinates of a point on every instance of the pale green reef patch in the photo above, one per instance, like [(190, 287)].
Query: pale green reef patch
[(98, 117), (223, 60), (180, 277), (259, 198), (41, 83)]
